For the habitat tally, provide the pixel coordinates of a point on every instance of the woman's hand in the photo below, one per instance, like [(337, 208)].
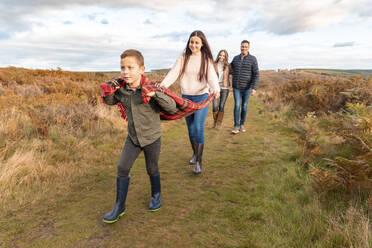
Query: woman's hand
[(215, 92)]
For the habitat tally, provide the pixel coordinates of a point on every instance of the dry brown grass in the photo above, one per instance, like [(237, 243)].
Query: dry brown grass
[(58, 157), (320, 95), (46, 117), (333, 116), (349, 229)]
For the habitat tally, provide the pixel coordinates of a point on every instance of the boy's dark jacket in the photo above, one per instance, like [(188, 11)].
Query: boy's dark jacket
[(142, 112)]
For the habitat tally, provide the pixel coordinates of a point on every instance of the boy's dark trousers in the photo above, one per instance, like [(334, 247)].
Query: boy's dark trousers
[(128, 155), (152, 151)]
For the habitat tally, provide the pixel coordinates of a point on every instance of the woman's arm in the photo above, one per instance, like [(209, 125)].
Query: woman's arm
[(213, 79), (173, 74)]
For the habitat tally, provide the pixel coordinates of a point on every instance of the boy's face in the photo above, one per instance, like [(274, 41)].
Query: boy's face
[(131, 71)]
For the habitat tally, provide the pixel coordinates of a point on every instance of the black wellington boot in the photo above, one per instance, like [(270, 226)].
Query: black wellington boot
[(155, 202), (199, 154), (193, 158), (118, 210)]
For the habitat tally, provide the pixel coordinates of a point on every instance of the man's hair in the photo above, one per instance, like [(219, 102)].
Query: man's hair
[(133, 53), (244, 41)]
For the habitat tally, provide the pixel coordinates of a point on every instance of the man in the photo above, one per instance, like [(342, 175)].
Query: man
[(244, 82)]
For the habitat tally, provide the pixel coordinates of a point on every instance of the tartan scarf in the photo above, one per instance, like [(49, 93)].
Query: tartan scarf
[(184, 106)]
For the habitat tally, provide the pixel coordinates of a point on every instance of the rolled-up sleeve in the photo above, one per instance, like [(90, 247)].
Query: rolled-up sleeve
[(165, 102)]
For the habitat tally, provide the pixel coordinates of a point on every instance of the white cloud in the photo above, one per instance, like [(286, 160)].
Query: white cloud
[(273, 15), (90, 35), (344, 44)]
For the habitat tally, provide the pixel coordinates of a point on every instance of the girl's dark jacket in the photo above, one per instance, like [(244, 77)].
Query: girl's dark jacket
[(244, 72)]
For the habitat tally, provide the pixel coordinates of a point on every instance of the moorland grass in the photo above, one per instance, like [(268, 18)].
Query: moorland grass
[(253, 192)]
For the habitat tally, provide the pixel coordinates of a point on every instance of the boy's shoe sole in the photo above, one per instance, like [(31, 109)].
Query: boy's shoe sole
[(154, 210), (235, 132), (113, 221)]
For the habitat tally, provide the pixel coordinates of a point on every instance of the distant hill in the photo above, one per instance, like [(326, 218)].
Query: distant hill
[(337, 72)]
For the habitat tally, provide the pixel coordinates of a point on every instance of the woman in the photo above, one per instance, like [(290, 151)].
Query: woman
[(222, 62), (198, 77)]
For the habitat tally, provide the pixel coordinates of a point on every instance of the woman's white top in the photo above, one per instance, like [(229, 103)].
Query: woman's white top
[(220, 72), (221, 75), (189, 83)]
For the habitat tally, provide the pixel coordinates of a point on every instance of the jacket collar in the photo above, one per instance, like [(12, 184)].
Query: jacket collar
[(244, 56)]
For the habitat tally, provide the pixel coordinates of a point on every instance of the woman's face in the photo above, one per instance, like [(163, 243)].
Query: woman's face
[(221, 57), (195, 44)]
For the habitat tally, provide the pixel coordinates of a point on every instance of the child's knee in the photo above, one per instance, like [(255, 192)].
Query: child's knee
[(153, 172), (123, 172)]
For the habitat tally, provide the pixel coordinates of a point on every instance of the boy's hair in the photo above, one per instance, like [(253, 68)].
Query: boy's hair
[(244, 41), (133, 53)]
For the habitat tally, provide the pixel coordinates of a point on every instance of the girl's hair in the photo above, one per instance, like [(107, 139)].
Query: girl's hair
[(206, 56), (226, 62)]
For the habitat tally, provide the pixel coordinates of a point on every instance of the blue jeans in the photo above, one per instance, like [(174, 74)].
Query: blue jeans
[(241, 97), (219, 104), (195, 122)]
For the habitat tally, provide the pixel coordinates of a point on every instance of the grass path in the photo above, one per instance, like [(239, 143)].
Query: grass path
[(252, 193)]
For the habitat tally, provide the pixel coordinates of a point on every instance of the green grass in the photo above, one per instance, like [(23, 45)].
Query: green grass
[(252, 193)]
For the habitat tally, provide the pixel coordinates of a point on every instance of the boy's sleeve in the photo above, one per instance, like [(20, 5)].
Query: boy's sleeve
[(165, 102), (108, 92), (110, 99)]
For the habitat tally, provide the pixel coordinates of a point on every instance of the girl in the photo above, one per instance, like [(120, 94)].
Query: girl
[(222, 62), (198, 77)]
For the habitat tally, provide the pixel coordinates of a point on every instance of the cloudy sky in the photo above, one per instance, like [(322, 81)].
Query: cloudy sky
[(89, 35)]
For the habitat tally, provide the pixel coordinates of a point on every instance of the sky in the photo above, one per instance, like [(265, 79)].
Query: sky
[(90, 35)]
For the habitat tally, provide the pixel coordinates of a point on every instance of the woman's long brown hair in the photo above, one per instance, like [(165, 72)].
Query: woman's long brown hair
[(226, 62), (205, 59)]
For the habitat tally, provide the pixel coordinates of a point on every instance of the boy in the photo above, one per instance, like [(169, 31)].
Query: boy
[(144, 129)]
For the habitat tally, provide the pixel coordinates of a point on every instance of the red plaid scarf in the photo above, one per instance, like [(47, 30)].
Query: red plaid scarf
[(184, 106)]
